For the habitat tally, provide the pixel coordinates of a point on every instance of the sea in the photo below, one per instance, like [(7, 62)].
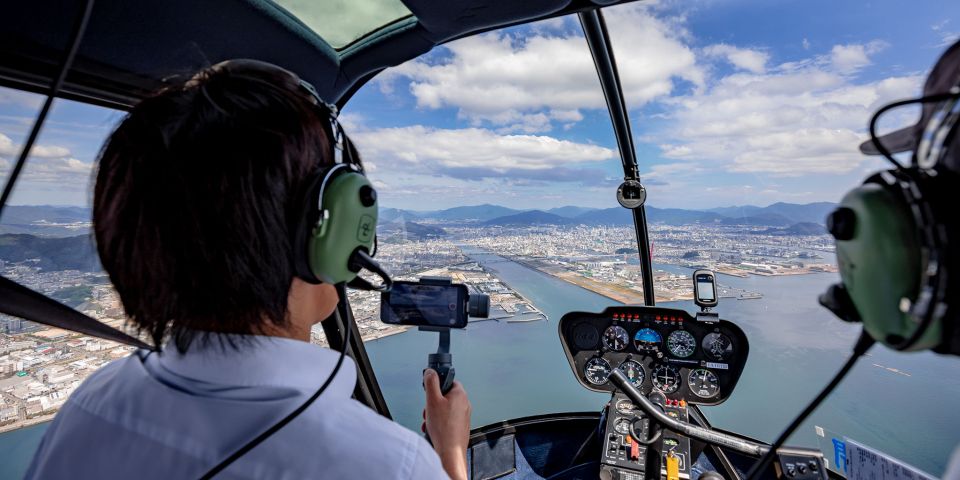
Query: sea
[(901, 404)]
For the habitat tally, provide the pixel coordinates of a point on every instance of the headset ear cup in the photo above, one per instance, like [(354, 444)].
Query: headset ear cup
[(878, 257), (350, 201)]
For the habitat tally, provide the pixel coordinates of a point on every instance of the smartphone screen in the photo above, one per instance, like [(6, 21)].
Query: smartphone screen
[(416, 304)]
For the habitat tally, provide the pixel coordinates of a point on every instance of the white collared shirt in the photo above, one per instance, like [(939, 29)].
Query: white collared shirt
[(176, 416)]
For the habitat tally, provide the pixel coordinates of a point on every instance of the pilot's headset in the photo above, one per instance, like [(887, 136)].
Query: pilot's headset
[(334, 229), (895, 232)]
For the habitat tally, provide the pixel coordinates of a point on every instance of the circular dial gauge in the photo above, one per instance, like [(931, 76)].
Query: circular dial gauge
[(681, 343), (703, 383), (666, 378), (647, 339), (626, 407), (717, 345), (633, 371), (615, 338), (597, 370), (586, 336), (622, 426)]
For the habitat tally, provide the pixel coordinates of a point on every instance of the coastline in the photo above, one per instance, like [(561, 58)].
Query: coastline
[(30, 422)]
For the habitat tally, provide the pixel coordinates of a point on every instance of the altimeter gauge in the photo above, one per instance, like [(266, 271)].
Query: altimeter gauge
[(615, 338), (681, 343), (597, 370), (703, 383)]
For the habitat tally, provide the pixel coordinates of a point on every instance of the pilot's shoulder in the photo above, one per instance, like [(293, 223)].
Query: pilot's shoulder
[(401, 453)]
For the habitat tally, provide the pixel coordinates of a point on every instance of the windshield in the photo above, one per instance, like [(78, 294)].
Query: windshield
[(497, 151)]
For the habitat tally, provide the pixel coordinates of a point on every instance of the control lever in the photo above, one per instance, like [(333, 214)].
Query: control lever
[(620, 380)]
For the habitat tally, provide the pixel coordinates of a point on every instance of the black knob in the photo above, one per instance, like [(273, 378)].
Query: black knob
[(841, 223), (368, 196)]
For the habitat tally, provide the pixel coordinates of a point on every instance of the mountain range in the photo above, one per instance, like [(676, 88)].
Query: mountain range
[(54, 221), (51, 253)]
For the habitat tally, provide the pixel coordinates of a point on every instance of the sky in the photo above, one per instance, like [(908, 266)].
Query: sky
[(732, 102)]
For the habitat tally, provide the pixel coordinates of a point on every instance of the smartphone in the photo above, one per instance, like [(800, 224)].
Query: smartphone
[(425, 305), (704, 288)]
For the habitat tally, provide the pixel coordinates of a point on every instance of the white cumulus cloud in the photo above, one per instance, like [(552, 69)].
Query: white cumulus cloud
[(805, 117), (751, 60), (526, 82), (429, 149)]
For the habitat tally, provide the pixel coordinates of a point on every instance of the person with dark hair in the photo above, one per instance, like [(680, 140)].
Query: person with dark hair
[(194, 211)]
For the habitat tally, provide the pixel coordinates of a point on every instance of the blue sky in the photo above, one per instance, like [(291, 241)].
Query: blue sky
[(732, 102)]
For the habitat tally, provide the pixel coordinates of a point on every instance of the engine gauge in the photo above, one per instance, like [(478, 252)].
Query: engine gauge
[(626, 407), (597, 370), (717, 345), (666, 378), (681, 343), (647, 339), (634, 371), (622, 426), (703, 383), (615, 338)]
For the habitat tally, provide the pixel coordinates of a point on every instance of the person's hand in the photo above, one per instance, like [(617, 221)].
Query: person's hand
[(447, 421)]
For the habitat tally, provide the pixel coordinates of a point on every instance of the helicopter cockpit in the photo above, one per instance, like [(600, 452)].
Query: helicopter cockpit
[(623, 343)]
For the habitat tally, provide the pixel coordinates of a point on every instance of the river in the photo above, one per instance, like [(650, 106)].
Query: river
[(519, 369)]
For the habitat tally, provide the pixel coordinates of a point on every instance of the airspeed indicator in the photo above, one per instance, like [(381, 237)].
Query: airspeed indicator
[(681, 343)]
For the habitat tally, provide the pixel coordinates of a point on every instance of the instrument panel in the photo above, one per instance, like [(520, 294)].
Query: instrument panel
[(659, 349)]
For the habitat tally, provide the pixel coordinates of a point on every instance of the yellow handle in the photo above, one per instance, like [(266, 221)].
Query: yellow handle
[(673, 466)]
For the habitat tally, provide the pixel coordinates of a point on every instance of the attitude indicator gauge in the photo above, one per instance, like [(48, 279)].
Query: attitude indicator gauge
[(634, 372), (647, 340), (597, 370), (681, 343), (615, 338), (703, 383), (717, 345), (666, 378)]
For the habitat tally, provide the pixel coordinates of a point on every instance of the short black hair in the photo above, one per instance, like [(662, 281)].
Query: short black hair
[(195, 199)]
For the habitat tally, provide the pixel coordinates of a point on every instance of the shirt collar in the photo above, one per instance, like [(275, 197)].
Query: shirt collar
[(256, 360)]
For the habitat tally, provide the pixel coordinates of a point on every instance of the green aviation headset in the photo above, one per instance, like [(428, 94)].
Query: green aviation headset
[(334, 229), (894, 232)]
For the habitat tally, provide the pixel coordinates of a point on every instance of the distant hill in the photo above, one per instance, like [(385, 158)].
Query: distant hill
[(570, 211), (408, 231), (802, 228), (393, 214), (532, 217), (793, 212), (480, 213), (67, 253), (45, 220)]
